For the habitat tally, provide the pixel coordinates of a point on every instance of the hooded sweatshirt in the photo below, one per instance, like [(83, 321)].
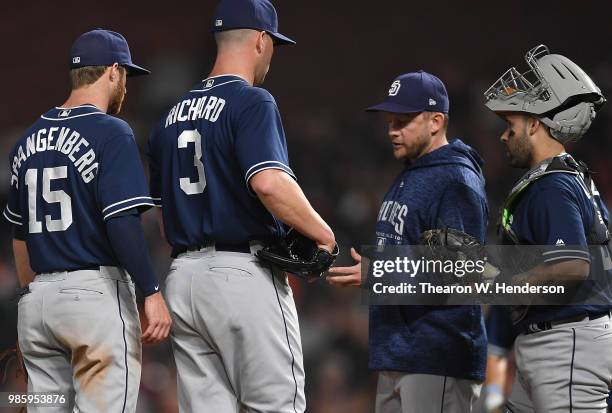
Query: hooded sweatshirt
[(444, 188)]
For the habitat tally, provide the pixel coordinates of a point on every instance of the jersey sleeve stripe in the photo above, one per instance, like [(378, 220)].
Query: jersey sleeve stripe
[(12, 213), (267, 165), (289, 172), (9, 218), (133, 205), (157, 202), (148, 198), (557, 251), (564, 253), (568, 257)]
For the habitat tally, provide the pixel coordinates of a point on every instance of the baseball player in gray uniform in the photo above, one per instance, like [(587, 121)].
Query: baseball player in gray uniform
[(221, 175), (77, 189), (563, 353)]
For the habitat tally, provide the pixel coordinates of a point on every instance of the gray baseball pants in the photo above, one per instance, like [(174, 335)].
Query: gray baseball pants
[(399, 392), (79, 333), (567, 369), (235, 335)]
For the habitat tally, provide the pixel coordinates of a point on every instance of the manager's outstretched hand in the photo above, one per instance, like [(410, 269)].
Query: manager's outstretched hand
[(346, 276)]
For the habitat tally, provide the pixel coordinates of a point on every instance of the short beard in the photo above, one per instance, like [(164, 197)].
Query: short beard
[(116, 101), (418, 149), (520, 156)]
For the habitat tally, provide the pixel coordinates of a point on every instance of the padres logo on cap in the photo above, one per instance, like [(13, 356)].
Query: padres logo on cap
[(395, 87)]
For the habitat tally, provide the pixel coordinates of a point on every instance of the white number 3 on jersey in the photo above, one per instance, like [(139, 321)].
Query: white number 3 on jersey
[(192, 188)]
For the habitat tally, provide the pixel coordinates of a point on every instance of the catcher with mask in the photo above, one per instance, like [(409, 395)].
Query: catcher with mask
[(563, 353)]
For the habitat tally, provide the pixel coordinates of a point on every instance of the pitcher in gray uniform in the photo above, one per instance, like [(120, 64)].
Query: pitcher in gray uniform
[(220, 173)]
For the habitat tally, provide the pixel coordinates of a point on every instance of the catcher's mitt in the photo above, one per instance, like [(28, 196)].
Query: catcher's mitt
[(299, 256), (452, 239), (452, 244), (455, 245)]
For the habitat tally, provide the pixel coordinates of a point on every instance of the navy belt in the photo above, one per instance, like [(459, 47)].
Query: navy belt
[(85, 268), (244, 247), (547, 325)]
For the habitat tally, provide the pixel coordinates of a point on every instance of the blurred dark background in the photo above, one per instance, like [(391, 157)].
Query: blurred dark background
[(347, 54)]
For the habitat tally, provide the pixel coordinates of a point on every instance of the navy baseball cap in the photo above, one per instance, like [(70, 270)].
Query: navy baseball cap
[(414, 92), (101, 47), (249, 14)]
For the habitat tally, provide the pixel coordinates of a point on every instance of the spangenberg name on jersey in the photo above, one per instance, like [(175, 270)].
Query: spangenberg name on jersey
[(206, 107), (73, 146)]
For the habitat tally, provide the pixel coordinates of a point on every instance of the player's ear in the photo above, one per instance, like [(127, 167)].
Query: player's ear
[(261, 42), (436, 122), (532, 125), (114, 73)]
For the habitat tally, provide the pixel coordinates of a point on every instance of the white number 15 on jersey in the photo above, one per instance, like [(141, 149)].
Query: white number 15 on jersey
[(51, 197)]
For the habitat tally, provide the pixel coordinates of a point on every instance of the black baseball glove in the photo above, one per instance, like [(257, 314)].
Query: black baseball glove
[(451, 244), (299, 256)]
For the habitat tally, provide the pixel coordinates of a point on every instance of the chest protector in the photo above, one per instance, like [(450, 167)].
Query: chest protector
[(598, 233)]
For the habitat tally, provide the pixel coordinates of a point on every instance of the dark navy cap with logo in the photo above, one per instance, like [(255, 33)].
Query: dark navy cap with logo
[(103, 48), (249, 14), (414, 92)]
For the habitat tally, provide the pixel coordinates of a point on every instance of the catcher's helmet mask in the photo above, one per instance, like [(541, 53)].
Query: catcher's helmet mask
[(554, 89)]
